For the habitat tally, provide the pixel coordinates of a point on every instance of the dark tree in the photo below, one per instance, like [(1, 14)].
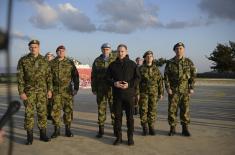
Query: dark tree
[(223, 57)]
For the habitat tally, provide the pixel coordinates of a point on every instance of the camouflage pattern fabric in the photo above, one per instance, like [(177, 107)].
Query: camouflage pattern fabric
[(65, 79), (179, 76), (101, 88), (150, 88), (34, 79)]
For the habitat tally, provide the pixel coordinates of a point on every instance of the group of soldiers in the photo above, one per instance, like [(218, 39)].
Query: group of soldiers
[(49, 83), (179, 79), (41, 83)]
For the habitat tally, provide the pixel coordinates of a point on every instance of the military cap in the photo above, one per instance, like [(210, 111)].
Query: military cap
[(60, 47), (33, 42), (105, 45), (147, 53), (178, 44)]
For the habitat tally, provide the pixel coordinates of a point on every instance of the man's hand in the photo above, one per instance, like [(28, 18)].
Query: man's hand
[(49, 94), (121, 84), (169, 91), (23, 97), (2, 135), (124, 85), (118, 84), (160, 97), (94, 93), (191, 91)]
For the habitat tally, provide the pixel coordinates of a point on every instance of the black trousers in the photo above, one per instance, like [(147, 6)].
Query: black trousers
[(120, 103)]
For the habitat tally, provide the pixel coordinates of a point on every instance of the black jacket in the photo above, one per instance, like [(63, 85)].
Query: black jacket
[(123, 70)]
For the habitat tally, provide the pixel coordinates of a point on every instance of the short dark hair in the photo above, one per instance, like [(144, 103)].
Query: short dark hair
[(122, 45)]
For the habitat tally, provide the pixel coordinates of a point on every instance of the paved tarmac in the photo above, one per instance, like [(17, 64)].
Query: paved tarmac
[(212, 127)]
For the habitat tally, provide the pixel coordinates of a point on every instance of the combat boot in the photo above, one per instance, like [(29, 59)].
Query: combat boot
[(118, 139), (130, 139), (101, 131), (43, 135), (172, 131), (68, 132), (56, 132), (151, 130), (29, 137), (145, 129), (185, 131)]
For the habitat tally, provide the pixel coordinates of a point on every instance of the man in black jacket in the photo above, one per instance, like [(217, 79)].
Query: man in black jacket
[(123, 76)]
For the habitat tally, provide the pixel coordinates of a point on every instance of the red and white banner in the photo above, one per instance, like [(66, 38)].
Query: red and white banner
[(84, 76)]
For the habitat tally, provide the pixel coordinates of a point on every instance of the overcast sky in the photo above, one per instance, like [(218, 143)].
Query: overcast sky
[(83, 25)]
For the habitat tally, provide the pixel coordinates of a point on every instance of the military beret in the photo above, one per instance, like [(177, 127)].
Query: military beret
[(60, 47), (147, 53), (33, 42), (106, 45), (178, 44)]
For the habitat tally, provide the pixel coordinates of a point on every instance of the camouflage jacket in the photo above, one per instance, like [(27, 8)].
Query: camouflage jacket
[(99, 68), (65, 76), (151, 80), (34, 74), (179, 75)]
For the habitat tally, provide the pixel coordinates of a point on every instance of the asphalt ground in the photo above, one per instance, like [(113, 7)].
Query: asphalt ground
[(212, 127)]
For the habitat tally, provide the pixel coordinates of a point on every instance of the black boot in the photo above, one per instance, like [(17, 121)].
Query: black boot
[(43, 135), (172, 131), (145, 129), (101, 131), (118, 139), (130, 139), (151, 130), (56, 132), (29, 137), (185, 131), (68, 132)]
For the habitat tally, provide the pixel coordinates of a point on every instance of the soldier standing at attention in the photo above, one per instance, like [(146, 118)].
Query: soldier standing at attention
[(34, 87), (151, 90), (65, 79), (100, 87), (179, 79), (123, 76)]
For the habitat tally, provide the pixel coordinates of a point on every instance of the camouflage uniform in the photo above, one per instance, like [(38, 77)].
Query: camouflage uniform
[(34, 79), (65, 77), (101, 88), (179, 76), (150, 88)]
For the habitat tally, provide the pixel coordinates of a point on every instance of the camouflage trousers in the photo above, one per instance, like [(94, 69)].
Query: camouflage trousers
[(102, 101), (178, 101), (148, 108), (36, 101), (62, 102)]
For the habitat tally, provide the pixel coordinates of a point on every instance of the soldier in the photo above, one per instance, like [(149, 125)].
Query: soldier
[(100, 88), (34, 86), (179, 79), (138, 62), (49, 56), (151, 90), (123, 76), (65, 85)]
